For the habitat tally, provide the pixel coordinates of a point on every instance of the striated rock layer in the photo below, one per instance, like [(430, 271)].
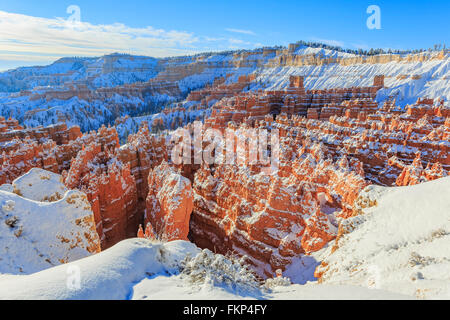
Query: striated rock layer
[(253, 106), (21, 149)]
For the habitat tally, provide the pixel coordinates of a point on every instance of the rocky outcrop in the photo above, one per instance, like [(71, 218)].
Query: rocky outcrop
[(143, 151), (373, 136), (94, 91), (22, 155), (114, 178), (288, 57), (169, 203), (110, 188), (60, 133), (415, 173), (149, 233), (324, 165), (220, 89)]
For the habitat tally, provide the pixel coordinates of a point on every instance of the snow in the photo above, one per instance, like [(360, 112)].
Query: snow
[(333, 292), (130, 125), (434, 81), (301, 270), (37, 235), (107, 275), (40, 185), (173, 288), (163, 287), (140, 269), (402, 244), (304, 50)]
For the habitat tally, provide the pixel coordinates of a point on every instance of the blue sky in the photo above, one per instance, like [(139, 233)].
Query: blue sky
[(36, 31)]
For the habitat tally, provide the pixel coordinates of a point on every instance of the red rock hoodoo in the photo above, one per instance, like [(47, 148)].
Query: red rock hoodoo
[(274, 217), (169, 203)]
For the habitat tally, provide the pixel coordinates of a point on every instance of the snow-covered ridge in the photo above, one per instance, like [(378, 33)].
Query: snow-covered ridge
[(43, 225), (405, 81), (400, 242), (140, 269), (106, 71), (39, 185)]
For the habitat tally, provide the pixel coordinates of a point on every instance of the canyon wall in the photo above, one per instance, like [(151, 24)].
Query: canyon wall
[(114, 178), (325, 162), (268, 216)]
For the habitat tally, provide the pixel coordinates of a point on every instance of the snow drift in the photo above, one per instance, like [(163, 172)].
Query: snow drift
[(140, 269), (400, 241), (36, 235)]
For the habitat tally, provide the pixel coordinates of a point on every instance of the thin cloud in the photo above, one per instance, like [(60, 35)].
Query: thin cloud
[(27, 39), (241, 31), (33, 38)]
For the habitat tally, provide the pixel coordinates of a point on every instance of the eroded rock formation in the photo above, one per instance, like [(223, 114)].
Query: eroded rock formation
[(295, 100), (169, 203), (115, 180), (274, 216)]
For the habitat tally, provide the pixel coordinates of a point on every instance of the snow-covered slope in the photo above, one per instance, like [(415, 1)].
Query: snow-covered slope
[(140, 269), (40, 185), (38, 235), (433, 78), (88, 115), (400, 242), (107, 275), (98, 72)]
